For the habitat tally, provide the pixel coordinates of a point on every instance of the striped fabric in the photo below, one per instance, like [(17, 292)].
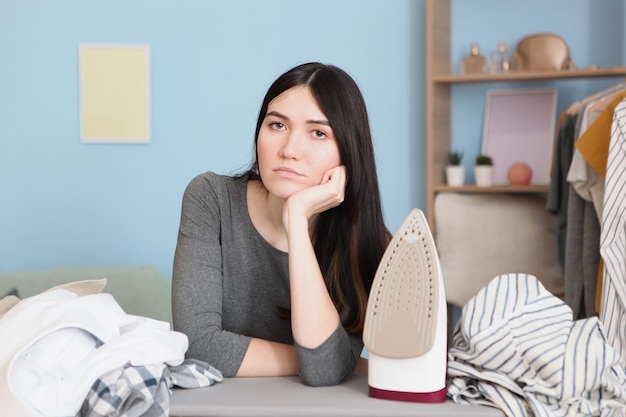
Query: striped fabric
[(613, 236), (517, 348)]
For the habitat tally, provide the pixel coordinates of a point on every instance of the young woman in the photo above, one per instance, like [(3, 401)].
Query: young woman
[(273, 268)]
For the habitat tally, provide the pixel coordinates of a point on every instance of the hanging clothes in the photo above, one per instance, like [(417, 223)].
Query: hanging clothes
[(588, 168), (581, 238), (613, 235), (593, 144), (584, 205), (593, 149), (568, 130), (582, 256), (563, 151)]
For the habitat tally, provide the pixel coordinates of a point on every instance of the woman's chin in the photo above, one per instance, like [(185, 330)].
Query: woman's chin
[(284, 190)]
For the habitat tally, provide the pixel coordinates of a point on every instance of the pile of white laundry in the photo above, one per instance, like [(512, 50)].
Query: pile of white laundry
[(59, 346)]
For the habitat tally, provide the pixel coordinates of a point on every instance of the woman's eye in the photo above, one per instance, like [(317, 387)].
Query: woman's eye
[(277, 126), (318, 134)]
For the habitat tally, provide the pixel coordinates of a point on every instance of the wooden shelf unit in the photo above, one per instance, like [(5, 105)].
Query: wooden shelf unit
[(439, 81)]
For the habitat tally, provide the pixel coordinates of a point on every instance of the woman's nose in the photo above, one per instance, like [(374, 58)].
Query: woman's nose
[(291, 148)]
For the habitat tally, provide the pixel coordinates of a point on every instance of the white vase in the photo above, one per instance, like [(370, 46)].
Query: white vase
[(483, 175), (455, 175)]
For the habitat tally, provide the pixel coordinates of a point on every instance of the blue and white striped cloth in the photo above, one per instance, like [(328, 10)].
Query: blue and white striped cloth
[(517, 348), (613, 235)]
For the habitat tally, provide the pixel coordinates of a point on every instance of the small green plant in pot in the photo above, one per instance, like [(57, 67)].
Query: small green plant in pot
[(455, 172), (484, 160), (455, 158), (483, 170)]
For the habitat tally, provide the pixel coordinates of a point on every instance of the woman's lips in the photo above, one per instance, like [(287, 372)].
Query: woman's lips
[(287, 172)]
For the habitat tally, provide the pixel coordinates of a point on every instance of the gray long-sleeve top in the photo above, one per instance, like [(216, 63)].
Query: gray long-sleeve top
[(229, 283)]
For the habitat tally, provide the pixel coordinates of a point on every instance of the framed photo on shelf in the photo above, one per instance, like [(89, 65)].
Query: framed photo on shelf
[(519, 126)]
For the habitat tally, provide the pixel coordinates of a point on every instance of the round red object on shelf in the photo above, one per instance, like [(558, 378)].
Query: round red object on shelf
[(520, 173)]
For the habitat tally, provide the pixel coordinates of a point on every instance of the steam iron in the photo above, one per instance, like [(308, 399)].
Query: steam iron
[(405, 328)]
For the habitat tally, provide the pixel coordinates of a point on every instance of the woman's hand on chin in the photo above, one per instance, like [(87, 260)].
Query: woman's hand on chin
[(306, 203)]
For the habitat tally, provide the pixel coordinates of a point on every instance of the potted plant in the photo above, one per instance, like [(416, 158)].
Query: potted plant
[(455, 172), (483, 170)]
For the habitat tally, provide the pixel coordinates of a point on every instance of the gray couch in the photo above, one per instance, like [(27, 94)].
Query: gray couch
[(139, 290)]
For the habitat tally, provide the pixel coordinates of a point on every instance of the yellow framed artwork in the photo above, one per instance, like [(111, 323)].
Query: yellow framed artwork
[(114, 93)]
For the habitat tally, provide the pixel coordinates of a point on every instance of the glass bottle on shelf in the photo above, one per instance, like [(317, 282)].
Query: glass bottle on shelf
[(499, 60), (474, 63)]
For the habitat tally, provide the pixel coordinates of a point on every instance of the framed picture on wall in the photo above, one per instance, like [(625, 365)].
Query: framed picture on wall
[(114, 86), (519, 126)]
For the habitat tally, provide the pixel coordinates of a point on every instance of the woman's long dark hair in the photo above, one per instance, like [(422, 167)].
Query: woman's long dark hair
[(349, 240)]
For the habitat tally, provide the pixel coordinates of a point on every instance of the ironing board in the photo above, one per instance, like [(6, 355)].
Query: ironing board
[(288, 397)]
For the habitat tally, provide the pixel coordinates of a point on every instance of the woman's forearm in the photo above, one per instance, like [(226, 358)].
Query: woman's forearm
[(313, 314), (265, 358)]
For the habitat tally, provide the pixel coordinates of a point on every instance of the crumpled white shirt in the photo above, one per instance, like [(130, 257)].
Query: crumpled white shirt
[(57, 343)]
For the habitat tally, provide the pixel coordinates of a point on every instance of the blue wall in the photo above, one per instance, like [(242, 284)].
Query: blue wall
[(63, 202)]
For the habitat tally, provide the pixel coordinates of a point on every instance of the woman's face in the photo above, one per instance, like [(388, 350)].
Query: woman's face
[(296, 144)]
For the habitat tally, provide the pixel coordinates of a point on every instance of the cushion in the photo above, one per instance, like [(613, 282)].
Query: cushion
[(139, 290), (85, 287), (7, 303), (13, 291), (481, 236)]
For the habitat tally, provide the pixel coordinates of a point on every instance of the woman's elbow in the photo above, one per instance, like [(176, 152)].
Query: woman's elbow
[(322, 377)]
